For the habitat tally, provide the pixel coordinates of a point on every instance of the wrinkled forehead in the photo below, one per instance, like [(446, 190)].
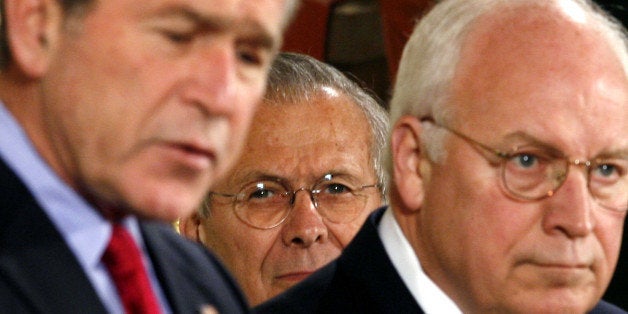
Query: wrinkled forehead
[(267, 16), (537, 39), (540, 69)]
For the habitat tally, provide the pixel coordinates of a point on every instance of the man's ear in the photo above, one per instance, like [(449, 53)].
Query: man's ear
[(190, 227), (32, 31), (407, 161)]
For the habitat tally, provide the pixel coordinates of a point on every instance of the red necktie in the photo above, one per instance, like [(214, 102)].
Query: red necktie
[(124, 262)]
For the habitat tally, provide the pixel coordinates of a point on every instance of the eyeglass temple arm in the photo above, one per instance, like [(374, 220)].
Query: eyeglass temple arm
[(497, 152)]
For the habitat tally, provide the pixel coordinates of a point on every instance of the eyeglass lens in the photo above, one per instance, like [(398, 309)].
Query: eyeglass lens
[(534, 175), (267, 204)]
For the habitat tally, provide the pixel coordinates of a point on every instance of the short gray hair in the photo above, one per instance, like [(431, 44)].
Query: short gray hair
[(430, 58), (295, 78)]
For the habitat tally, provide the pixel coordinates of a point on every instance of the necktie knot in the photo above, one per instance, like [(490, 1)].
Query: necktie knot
[(124, 263)]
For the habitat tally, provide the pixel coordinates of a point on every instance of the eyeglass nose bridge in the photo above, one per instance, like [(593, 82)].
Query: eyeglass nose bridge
[(311, 193), (580, 163), (562, 177), (586, 164)]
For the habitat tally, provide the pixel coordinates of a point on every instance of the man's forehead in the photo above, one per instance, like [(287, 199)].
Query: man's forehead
[(266, 15), (528, 33), (528, 47)]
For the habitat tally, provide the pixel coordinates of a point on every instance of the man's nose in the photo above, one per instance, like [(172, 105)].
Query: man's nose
[(214, 76), (305, 225), (571, 209)]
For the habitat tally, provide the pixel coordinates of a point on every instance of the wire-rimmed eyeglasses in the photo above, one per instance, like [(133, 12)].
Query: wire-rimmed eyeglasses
[(532, 173), (266, 204)]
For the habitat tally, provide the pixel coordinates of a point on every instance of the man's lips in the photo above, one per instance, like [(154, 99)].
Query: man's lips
[(197, 150), (558, 262), (565, 266), (294, 276), (194, 155), (562, 269)]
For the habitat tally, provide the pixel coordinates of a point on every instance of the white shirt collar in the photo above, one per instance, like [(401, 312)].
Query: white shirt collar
[(429, 296)]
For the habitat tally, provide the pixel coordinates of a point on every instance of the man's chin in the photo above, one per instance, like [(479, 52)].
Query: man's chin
[(555, 302)]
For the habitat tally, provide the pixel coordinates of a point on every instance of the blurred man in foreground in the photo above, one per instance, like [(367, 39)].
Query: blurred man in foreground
[(114, 113)]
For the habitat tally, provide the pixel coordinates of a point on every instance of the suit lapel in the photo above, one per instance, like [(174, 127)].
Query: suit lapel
[(188, 275), (34, 258), (163, 269), (170, 263), (375, 272)]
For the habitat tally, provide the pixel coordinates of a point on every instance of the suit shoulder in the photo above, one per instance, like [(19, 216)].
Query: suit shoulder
[(191, 272), (178, 251), (305, 297), (164, 238), (328, 290), (604, 307)]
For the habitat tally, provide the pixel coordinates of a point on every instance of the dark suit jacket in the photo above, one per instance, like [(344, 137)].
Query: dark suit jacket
[(39, 273), (617, 291), (361, 280)]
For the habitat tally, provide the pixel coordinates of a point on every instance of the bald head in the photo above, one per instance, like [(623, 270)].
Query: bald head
[(508, 91), (551, 41)]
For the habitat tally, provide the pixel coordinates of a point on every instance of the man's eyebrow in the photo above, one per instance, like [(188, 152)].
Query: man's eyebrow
[(341, 174), (256, 176), (251, 31), (256, 35), (185, 12), (529, 140), (619, 153), (524, 139)]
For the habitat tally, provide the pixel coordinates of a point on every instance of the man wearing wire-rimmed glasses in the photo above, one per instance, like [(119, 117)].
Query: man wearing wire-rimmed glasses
[(309, 176)]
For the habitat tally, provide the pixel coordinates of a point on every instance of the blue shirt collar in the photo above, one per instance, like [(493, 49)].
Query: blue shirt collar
[(82, 227)]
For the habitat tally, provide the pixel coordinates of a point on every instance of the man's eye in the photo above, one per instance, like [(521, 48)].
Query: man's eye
[(336, 188), (250, 58), (607, 172), (525, 160), (179, 37), (261, 194), (527, 163)]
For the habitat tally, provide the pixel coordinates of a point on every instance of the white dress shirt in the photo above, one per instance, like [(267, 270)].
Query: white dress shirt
[(429, 296)]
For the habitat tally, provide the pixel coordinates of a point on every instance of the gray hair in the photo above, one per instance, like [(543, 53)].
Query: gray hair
[(295, 78), (430, 58)]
